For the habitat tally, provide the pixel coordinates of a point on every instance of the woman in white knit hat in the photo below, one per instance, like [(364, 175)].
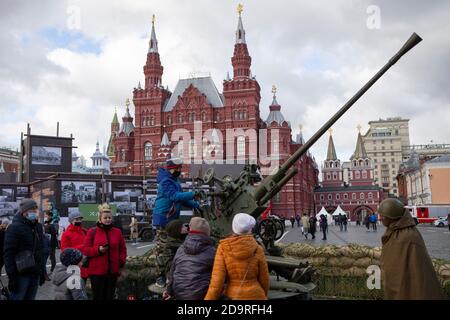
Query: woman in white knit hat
[(241, 261)]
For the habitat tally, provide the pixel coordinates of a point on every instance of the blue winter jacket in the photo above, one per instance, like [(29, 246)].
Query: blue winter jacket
[(170, 193)]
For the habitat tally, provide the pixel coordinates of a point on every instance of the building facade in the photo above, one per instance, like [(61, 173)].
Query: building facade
[(9, 160), (386, 144), (424, 180), (228, 124), (359, 195)]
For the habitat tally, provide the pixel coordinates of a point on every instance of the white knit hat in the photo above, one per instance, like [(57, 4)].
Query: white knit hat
[(243, 223)]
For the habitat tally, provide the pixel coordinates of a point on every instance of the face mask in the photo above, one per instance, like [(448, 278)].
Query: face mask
[(77, 224), (32, 216)]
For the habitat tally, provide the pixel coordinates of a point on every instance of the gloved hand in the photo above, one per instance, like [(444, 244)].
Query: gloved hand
[(13, 284)]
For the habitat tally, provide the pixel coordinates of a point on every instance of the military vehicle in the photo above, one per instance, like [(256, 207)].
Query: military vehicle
[(248, 193)]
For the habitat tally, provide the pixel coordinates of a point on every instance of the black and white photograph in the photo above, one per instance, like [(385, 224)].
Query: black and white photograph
[(22, 192), (121, 196), (8, 210), (125, 207), (134, 192), (78, 192), (49, 156), (7, 195)]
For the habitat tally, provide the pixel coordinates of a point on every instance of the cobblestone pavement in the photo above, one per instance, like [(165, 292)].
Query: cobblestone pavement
[(46, 292), (436, 239)]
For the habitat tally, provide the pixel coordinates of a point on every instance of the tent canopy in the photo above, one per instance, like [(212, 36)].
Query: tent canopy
[(339, 211)]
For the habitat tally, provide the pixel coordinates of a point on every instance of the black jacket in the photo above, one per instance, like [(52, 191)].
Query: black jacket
[(191, 269), (50, 230), (23, 235), (312, 224)]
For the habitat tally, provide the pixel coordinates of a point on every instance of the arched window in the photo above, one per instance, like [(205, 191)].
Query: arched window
[(370, 195), (203, 116), (330, 197), (122, 154), (357, 175), (361, 195), (152, 121), (338, 196), (245, 114), (241, 146), (235, 114), (169, 120), (354, 196), (364, 174), (143, 122), (334, 176), (345, 196), (367, 162), (180, 118), (148, 151), (322, 197)]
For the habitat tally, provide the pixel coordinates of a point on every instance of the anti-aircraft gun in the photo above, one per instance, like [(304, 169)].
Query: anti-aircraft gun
[(248, 194)]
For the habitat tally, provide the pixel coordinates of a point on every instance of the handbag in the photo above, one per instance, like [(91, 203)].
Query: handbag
[(85, 260), (25, 261)]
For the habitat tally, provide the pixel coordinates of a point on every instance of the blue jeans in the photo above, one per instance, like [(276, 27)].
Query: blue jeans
[(27, 288)]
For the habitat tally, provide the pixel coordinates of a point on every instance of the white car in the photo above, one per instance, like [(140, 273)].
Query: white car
[(441, 222)]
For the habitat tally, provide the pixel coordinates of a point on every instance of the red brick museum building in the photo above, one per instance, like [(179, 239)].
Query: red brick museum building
[(148, 139)]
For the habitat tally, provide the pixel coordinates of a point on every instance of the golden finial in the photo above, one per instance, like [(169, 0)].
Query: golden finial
[(127, 102), (359, 127), (274, 90), (330, 131), (115, 109), (240, 8), (153, 19)]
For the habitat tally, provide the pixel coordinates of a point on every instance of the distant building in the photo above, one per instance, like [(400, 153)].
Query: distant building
[(423, 180), (359, 196), (79, 164), (9, 160), (100, 162), (385, 143)]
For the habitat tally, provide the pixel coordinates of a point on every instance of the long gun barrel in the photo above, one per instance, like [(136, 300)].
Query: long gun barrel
[(271, 185)]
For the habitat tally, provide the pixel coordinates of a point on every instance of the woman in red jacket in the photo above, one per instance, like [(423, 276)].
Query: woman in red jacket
[(107, 252), (74, 237)]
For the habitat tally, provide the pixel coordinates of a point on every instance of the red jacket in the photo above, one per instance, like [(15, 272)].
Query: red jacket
[(110, 262), (74, 237)]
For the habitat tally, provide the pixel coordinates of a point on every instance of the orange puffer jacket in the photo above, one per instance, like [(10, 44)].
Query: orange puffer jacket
[(235, 255)]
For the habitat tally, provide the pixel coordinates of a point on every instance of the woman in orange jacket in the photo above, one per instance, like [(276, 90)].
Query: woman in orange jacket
[(241, 262)]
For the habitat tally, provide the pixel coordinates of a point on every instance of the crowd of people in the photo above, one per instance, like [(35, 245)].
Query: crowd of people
[(191, 266)]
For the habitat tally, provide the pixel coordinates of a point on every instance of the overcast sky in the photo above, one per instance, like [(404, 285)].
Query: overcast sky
[(58, 66)]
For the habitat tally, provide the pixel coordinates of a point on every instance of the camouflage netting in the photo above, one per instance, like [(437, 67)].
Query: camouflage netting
[(138, 274), (341, 270)]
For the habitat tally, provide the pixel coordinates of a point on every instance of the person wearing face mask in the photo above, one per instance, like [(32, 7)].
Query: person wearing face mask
[(23, 252), (74, 237), (170, 195), (105, 247)]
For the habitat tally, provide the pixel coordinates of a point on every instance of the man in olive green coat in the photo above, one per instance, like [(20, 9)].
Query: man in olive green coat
[(406, 269)]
